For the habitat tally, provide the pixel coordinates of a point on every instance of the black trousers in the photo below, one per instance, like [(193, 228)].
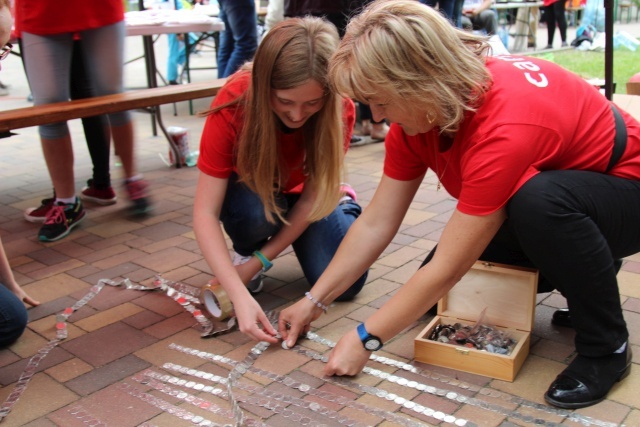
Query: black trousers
[(574, 227)]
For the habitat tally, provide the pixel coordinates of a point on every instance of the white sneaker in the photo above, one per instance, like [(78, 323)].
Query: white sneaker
[(255, 285)]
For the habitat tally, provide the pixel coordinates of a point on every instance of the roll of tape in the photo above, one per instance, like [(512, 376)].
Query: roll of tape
[(216, 301)]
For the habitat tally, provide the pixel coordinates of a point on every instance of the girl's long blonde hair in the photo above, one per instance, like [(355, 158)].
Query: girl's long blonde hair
[(292, 53), (412, 55)]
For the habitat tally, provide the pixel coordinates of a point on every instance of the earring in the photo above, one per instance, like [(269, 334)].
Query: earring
[(430, 119)]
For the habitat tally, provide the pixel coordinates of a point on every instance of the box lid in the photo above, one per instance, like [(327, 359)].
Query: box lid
[(507, 292)]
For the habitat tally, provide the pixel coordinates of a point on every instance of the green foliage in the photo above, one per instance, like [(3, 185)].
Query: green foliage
[(590, 64)]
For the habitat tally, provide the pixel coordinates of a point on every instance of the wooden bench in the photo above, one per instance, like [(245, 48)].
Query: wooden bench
[(149, 99)]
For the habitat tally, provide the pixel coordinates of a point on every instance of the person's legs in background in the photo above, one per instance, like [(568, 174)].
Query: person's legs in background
[(486, 21), (550, 18), (103, 50), (48, 64), (445, 7), (96, 132), (561, 19), (176, 51), (239, 40), (377, 130)]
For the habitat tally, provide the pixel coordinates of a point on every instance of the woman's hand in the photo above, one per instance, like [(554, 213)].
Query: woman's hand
[(296, 320), (253, 322), (348, 357)]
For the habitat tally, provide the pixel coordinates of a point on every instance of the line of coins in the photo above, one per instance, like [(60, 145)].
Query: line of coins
[(169, 408), (270, 399), (238, 370), (62, 330), (188, 304), (80, 413), (255, 390), (568, 415), (152, 379), (383, 394), (61, 334), (306, 388)]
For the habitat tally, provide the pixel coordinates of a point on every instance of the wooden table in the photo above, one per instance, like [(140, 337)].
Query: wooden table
[(136, 26)]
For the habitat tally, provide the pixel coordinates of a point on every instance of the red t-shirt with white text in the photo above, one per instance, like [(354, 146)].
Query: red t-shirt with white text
[(536, 116)]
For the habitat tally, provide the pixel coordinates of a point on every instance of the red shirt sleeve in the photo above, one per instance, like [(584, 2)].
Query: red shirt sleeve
[(222, 129)]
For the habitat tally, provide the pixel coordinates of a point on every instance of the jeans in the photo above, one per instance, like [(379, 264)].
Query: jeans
[(13, 317), (178, 54), (239, 40), (446, 7), (574, 227), (245, 223)]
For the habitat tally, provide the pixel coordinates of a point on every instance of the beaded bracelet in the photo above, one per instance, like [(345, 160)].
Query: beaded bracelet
[(316, 302)]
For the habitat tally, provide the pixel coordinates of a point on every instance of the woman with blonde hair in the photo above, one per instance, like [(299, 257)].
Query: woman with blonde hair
[(271, 165), (552, 183)]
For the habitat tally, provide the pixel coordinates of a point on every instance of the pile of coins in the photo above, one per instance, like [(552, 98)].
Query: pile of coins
[(480, 337)]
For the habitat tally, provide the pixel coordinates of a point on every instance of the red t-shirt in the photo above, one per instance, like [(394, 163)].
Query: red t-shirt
[(47, 17), (221, 133), (537, 116)]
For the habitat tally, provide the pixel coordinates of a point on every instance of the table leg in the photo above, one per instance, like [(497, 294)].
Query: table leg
[(152, 82)]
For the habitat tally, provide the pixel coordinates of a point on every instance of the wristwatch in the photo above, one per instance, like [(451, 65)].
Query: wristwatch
[(370, 342)]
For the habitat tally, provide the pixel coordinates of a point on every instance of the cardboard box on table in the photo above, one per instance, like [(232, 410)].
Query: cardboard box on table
[(509, 295)]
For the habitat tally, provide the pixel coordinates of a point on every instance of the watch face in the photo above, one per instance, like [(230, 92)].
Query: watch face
[(372, 344)]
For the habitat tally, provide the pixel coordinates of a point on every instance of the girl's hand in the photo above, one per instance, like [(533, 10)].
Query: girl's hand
[(253, 322), (348, 357), (295, 320), (23, 296)]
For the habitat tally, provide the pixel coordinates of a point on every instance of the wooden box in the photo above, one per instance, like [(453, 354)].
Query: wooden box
[(509, 295)]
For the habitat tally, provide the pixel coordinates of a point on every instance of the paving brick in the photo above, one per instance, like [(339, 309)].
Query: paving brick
[(99, 378), (108, 344)]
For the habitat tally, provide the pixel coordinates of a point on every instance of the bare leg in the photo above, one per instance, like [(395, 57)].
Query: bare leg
[(123, 143), (58, 154)]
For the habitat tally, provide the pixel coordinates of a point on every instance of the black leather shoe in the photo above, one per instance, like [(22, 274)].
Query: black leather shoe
[(587, 380), (561, 317)]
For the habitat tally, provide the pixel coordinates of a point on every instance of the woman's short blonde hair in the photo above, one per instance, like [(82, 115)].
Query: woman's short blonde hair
[(408, 53)]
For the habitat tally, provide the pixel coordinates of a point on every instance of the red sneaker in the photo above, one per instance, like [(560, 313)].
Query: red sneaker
[(103, 197), (139, 197), (39, 214)]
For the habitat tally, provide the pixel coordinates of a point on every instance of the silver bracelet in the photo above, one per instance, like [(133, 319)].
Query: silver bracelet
[(316, 302)]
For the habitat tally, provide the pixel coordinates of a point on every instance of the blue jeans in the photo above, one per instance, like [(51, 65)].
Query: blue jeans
[(177, 54), (239, 40), (13, 317), (446, 7), (244, 221)]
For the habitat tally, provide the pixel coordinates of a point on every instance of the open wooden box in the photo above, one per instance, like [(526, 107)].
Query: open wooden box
[(509, 295)]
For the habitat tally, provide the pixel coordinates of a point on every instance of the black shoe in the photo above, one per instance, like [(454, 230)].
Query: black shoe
[(562, 317), (357, 140), (61, 219), (173, 83), (587, 380)]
